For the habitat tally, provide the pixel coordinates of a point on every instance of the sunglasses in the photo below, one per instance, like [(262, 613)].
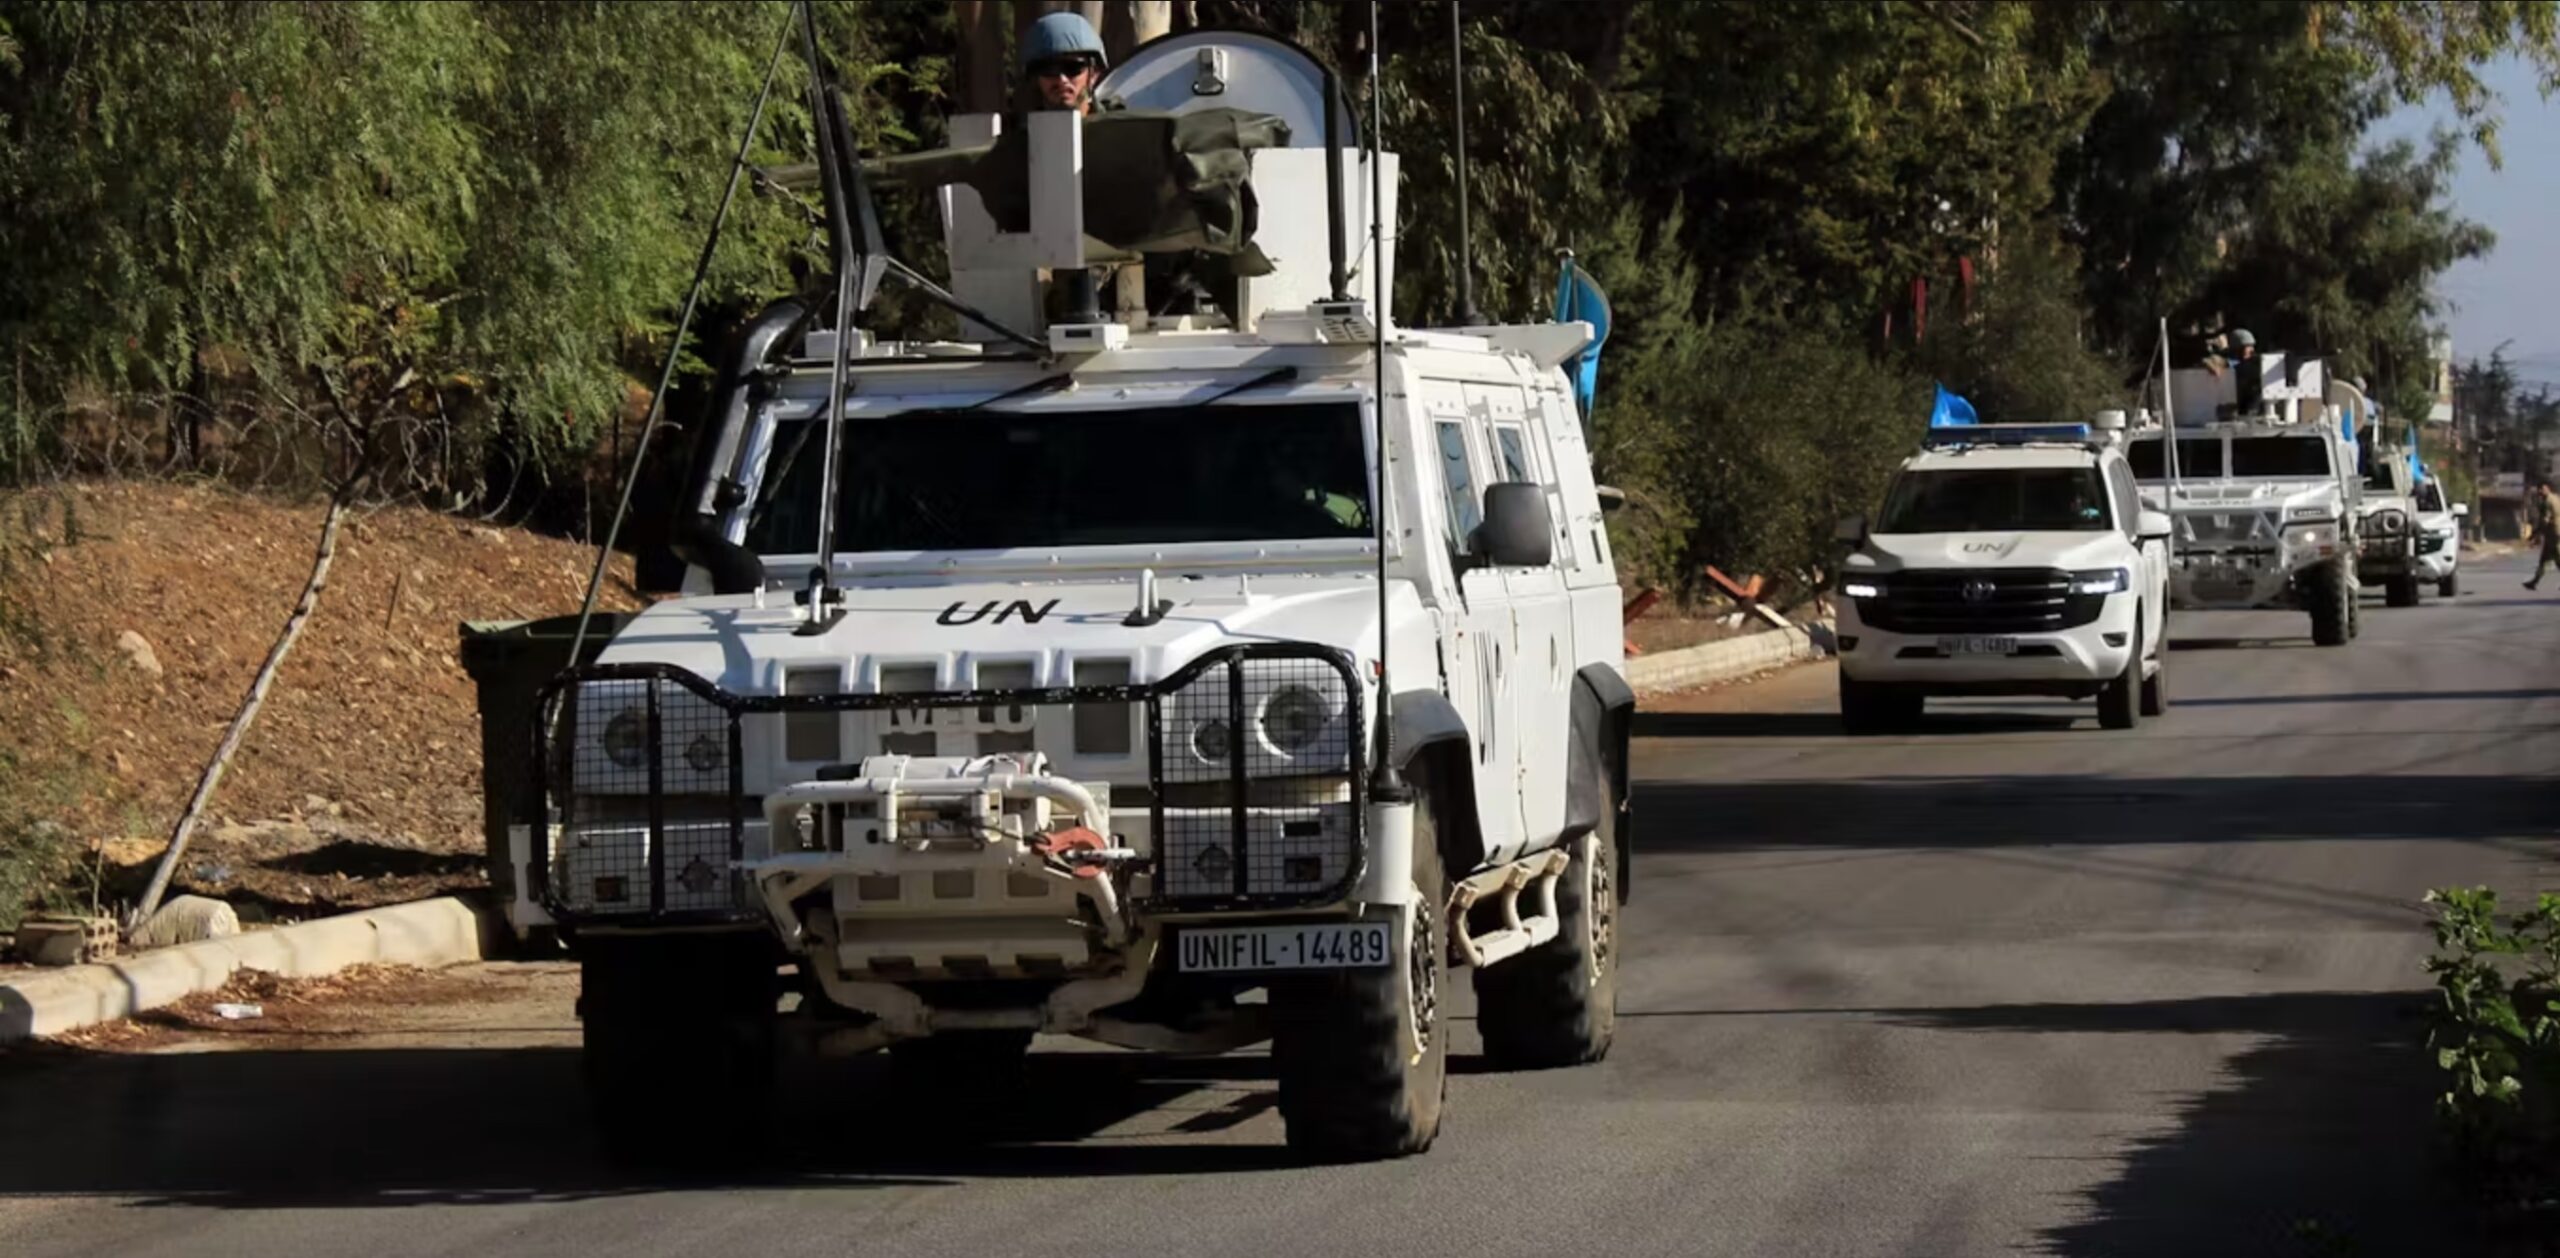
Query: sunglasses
[(1061, 68)]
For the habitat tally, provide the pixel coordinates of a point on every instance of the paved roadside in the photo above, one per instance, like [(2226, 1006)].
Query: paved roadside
[(2012, 984)]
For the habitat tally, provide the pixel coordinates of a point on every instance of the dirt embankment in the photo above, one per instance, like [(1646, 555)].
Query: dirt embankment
[(134, 617)]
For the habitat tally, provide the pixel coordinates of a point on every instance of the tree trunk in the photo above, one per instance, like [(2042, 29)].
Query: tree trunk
[(981, 61), (248, 713)]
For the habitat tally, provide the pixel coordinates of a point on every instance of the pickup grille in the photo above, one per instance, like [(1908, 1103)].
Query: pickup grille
[(1999, 600)]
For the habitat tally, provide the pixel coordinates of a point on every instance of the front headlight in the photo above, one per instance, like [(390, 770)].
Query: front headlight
[(1295, 717), (1862, 587), (2101, 581), (626, 738)]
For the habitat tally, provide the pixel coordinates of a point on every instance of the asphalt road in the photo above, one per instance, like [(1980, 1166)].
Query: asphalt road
[(2012, 985)]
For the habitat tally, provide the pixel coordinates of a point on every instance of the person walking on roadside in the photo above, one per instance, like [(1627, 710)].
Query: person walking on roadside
[(2544, 506)]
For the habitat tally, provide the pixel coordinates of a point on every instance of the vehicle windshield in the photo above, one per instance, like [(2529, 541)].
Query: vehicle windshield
[(2197, 456), (2430, 497), (953, 480), (1996, 499), (2273, 458)]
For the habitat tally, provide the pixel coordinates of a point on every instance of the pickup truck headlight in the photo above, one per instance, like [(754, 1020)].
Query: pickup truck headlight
[(1862, 587), (2101, 581)]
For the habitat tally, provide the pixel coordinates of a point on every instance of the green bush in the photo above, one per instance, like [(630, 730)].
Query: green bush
[(2496, 1035), (43, 868)]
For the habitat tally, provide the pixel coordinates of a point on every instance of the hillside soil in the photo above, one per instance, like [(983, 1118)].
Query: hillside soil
[(132, 618)]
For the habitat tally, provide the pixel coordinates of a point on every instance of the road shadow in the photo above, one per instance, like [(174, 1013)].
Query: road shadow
[(257, 1128), (1995, 811), (1938, 721), (2319, 1141), (2239, 644), (2374, 696)]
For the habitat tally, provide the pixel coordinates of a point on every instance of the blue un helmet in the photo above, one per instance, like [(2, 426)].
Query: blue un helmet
[(1062, 34)]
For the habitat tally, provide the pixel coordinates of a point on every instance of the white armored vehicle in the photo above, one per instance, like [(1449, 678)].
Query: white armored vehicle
[(2389, 525), (2009, 559), (2439, 535), (2263, 489), (1179, 682)]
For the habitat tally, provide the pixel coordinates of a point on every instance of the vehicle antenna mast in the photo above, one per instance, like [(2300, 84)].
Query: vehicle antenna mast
[(1468, 315), (1385, 784), (675, 343)]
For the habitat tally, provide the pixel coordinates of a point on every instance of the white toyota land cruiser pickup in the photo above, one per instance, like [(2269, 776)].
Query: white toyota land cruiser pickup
[(2009, 559)]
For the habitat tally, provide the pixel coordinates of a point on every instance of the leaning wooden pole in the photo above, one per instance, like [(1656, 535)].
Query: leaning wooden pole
[(248, 713)]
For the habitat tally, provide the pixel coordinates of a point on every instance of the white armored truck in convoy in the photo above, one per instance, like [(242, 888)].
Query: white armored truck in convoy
[(2439, 535), (2009, 559), (2388, 524), (1177, 681), (2261, 484)]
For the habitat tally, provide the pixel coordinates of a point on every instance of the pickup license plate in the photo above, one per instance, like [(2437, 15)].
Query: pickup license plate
[(1977, 644), (1326, 946)]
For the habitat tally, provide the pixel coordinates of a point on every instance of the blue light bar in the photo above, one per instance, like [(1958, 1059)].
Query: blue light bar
[(2006, 435)]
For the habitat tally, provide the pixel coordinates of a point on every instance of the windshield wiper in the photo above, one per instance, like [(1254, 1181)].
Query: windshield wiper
[(1276, 375), (1045, 384)]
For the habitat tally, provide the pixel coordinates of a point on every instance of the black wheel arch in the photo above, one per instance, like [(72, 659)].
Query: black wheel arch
[(1430, 735), (1604, 709)]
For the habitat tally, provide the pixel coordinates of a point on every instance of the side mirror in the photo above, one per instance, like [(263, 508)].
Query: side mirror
[(2461, 510), (1852, 530), (1611, 497), (2153, 526), (1516, 532)]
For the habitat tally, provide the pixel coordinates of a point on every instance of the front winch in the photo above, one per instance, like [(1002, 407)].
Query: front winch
[(966, 866)]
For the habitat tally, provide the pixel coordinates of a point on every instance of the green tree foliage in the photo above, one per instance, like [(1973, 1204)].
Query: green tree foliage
[(484, 211), (476, 217)]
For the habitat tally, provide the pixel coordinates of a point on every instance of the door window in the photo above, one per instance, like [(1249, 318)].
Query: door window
[(1457, 479), (2128, 497), (1511, 449)]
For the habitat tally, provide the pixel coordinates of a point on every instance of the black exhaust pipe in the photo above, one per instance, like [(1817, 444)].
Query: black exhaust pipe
[(697, 537)]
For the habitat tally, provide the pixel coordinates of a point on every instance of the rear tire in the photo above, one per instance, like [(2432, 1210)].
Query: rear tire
[(1363, 1055), (2332, 598), (2401, 591), (1557, 1004), (679, 1047)]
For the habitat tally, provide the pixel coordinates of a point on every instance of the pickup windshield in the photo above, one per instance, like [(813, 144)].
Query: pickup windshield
[(2198, 457), (1996, 499), (2279, 458), (953, 480)]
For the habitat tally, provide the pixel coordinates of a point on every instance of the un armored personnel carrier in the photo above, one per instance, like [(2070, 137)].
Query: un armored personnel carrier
[(2262, 486), (1176, 681)]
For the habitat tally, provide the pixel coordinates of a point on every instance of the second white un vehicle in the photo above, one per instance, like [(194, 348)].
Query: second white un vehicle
[(2009, 559)]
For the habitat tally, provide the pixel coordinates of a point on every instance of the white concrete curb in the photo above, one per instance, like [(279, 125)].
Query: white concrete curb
[(1726, 660), (443, 931)]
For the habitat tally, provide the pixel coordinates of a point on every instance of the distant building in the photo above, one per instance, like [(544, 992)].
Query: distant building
[(2440, 362)]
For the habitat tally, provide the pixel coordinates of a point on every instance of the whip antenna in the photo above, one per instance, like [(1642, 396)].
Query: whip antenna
[(1385, 784)]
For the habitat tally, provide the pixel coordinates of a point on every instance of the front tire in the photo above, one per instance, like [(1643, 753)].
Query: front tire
[(2155, 688), (1557, 1004), (2401, 591), (1870, 708), (1363, 1055), (2332, 597), (2450, 586), (2119, 702), (678, 1046)]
